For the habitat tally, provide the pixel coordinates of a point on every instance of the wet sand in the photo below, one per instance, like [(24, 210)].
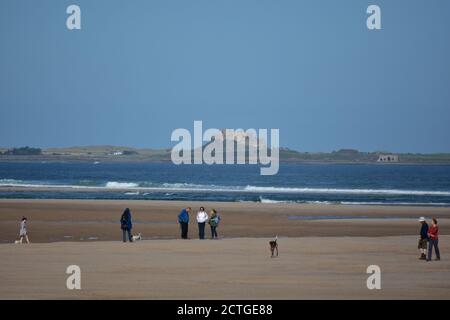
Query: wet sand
[(93, 220)]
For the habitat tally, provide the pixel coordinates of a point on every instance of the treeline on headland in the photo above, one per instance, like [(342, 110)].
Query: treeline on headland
[(129, 154), (23, 151)]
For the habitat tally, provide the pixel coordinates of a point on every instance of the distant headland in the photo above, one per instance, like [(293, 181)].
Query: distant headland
[(108, 153)]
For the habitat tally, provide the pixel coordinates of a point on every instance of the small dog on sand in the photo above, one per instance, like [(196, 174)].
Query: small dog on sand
[(16, 241), (137, 237), (274, 247)]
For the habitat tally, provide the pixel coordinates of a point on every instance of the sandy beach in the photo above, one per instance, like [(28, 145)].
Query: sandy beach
[(324, 252), (307, 268), (85, 220), (320, 124)]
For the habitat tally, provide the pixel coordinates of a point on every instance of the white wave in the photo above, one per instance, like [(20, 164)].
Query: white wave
[(9, 181), (383, 203), (187, 187), (121, 185), (346, 191), (132, 193), (190, 186), (21, 184), (264, 200), (318, 202)]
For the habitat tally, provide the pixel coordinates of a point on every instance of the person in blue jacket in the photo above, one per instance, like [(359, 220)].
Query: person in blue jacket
[(126, 225), (183, 220)]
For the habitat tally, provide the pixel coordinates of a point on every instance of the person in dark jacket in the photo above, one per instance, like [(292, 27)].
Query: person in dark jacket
[(423, 239), (183, 220), (214, 221), (126, 225)]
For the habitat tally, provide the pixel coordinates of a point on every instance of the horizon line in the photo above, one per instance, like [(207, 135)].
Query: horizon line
[(166, 148)]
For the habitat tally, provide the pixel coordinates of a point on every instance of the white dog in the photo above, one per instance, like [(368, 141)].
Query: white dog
[(17, 242), (137, 237)]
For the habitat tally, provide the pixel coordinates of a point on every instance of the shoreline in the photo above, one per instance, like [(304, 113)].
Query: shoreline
[(422, 205), (144, 191)]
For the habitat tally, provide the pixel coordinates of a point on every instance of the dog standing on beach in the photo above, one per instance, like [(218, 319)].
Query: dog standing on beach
[(274, 247), (137, 237)]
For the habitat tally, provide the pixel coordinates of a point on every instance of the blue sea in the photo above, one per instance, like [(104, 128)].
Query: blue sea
[(301, 183)]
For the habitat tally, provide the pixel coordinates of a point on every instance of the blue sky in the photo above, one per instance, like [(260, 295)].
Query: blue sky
[(139, 69)]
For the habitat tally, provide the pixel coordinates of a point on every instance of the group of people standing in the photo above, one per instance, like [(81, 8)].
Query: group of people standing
[(429, 239), (202, 219), (429, 235), (183, 219)]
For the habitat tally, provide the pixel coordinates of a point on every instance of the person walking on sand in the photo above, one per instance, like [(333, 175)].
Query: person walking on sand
[(202, 217), (126, 225), (423, 239), (214, 221), (183, 220), (23, 230), (433, 235)]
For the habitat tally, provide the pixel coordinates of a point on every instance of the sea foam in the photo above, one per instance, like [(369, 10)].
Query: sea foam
[(121, 185)]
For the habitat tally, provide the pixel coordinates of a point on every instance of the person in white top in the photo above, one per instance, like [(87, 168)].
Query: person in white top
[(23, 230), (202, 217)]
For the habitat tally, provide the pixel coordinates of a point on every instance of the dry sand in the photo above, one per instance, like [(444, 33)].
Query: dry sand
[(319, 259), (307, 268)]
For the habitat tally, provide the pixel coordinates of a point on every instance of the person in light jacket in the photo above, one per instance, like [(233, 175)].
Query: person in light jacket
[(183, 220), (202, 217), (23, 230)]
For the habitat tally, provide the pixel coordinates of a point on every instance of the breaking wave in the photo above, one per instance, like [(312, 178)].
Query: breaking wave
[(187, 187)]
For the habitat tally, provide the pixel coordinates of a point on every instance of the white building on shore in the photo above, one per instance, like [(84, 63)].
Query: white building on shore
[(388, 158)]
